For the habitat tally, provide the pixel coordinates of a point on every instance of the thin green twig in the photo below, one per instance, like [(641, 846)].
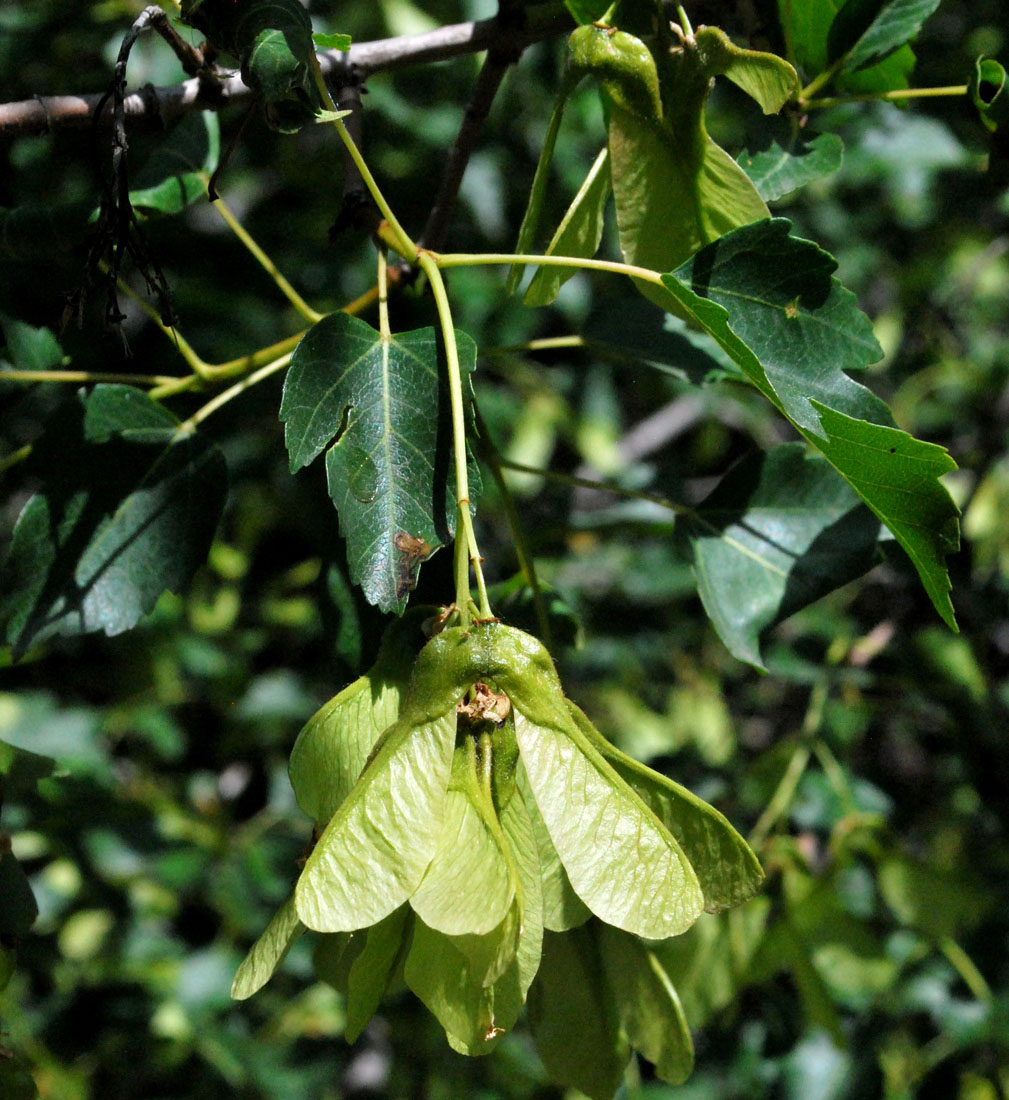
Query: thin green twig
[(86, 376), (232, 392), (403, 243), (464, 522), (285, 288), (895, 94)]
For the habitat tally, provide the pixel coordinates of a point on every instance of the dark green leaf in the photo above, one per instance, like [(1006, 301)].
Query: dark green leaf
[(28, 347), (867, 31), (17, 904), (21, 770), (772, 303), (124, 513), (988, 93), (806, 26), (573, 1018), (177, 172), (776, 173), (647, 1004), (383, 404), (778, 532), (638, 332)]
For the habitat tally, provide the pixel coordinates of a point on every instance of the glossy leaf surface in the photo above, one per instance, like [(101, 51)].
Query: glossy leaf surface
[(771, 301), (381, 407), (124, 512), (780, 530)]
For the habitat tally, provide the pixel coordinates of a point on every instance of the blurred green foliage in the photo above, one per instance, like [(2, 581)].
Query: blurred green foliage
[(870, 765)]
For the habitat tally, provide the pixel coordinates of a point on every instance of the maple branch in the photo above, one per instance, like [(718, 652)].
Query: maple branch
[(164, 106)]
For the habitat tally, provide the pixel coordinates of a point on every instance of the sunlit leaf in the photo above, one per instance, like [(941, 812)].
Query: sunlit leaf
[(268, 952), (724, 863)]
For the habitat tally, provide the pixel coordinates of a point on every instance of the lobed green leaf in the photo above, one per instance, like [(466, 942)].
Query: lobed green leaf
[(776, 173), (771, 302), (381, 406), (124, 512), (778, 532)]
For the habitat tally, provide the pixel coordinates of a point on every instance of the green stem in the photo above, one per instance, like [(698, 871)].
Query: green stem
[(546, 343), (15, 458), (465, 535), (492, 456), (601, 486), (688, 30), (964, 966), (285, 288), (404, 244), (86, 376), (824, 78), (782, 797), (232, 392), (199, 367), (475, 259), (895, 94)]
